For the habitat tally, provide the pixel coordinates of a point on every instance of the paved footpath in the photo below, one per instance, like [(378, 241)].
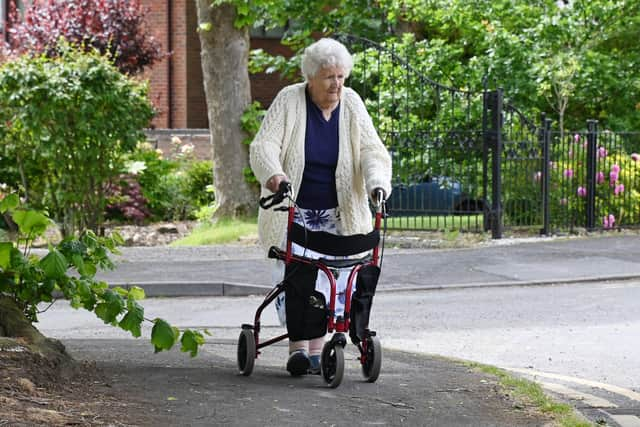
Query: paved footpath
[(413, 390)]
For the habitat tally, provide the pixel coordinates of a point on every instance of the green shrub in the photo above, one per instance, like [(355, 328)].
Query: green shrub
[(617, 176), (65, 125), (173, 187), (199, 185)]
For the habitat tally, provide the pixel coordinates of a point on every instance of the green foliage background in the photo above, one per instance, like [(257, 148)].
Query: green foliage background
[(65, 124)]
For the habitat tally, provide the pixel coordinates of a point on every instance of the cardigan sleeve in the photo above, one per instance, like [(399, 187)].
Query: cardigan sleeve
[(264, 151), (375, 161)]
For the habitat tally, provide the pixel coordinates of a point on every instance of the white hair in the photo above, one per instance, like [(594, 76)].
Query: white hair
[(325, 53)]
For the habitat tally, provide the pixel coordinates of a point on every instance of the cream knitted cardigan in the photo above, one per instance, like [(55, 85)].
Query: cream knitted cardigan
[(278, 148)]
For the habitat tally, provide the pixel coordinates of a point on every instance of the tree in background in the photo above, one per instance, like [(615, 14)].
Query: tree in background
[(115, 28), (576, 58), (224, 37)]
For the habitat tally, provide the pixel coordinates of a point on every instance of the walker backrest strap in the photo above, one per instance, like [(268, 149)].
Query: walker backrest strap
[(332, 244)]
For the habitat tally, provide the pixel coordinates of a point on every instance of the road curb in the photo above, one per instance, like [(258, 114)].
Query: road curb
[(195, 289), (512, 283), (217, 289)]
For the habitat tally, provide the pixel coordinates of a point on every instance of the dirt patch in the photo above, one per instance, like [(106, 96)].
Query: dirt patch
[(35, 390)]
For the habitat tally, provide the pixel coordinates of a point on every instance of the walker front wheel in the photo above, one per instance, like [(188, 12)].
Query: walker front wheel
[(246, 352), (372, 359), (332, 364)]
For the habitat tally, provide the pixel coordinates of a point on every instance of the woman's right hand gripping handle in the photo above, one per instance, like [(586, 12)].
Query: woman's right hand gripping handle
[(283, 191)]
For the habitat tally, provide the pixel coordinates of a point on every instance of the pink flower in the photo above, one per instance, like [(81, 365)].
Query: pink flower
[(619, 189), (635, 157), (564, 201), (576, 137), (537, 176), (613, 177), (615, 168), (568, 173), (608, 221), (570, 153), (602, 152), (582, 192), (600, 177)]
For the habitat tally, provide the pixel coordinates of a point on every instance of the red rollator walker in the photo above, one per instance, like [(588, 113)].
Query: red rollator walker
[(308, 314)]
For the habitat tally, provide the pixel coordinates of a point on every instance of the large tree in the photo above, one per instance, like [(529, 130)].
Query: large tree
[(225, 57)]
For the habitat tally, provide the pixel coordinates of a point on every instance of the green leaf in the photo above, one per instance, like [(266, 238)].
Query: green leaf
[(9, 203), (190, 341), (54, 264), (137, 293), (78, 263), (163, 335), (31, 222), (5, 254), (110, 308), (133, 319), (86, 296), (121, 291)]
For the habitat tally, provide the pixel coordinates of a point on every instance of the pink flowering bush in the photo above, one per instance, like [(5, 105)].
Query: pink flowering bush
[(617, 179)]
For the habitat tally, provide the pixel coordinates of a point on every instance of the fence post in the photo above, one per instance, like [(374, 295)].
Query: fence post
[(493, 140), (546, 145), (486, 98), (592, 143)]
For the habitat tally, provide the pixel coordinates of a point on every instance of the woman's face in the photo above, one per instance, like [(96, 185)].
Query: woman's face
[(326, 86)]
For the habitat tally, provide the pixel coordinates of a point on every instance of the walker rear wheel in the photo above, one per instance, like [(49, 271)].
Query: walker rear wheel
[(332, 364), (372, 359), (246, 352)]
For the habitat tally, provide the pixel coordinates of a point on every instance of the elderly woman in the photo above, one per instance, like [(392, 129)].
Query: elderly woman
[(318, 136)]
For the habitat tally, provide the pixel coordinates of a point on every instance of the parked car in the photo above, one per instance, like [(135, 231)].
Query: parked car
[(432, 196)]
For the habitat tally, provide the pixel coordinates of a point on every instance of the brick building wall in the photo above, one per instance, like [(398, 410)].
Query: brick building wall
[(158, 75), (264, 87), (176, 86)]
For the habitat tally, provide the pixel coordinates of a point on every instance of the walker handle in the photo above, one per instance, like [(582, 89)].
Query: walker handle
[(276, 198), (378, 199)]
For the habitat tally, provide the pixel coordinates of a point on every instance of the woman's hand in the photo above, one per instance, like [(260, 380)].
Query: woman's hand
[(378, 192), (273, 183)]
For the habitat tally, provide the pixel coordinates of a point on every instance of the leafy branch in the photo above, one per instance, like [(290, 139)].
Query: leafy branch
[(69, 269)]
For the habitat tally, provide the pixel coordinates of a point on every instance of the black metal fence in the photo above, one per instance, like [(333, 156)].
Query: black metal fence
[(471, 161), (594, 179), (433, 132)]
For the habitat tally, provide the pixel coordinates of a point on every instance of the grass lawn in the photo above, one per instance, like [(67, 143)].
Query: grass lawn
[(233, 230), (436, 222), (224, 231)]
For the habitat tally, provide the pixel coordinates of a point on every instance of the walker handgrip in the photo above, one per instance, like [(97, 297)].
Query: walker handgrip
[(283, 191)]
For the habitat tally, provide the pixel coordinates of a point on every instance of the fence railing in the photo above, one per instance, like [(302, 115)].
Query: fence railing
[(594, 179)]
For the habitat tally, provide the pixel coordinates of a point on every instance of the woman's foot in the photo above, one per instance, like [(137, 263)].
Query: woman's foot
[(298, 363), (314, 365)]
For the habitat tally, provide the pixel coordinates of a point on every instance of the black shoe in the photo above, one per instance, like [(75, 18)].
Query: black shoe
[(298, 363)]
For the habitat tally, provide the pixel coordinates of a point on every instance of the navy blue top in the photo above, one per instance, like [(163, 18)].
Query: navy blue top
[(318, 188)]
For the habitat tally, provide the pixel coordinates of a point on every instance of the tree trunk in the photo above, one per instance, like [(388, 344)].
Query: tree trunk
[(225, 58), (14, 324)]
